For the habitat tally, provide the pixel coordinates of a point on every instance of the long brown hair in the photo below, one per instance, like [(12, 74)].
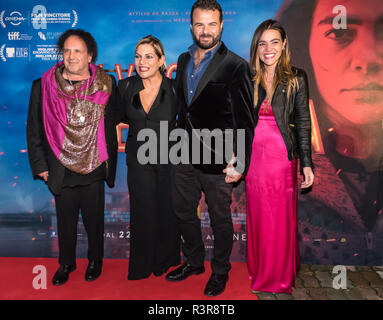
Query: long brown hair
[(283, 72)]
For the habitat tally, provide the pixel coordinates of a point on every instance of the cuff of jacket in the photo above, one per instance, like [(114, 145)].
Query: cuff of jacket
[(37, 169), (306, 160)]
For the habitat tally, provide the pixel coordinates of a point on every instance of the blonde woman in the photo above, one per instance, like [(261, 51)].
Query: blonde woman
[(282, 134), (146, 100)]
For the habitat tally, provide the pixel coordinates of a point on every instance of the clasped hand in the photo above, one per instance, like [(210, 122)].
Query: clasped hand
[(231, 174)]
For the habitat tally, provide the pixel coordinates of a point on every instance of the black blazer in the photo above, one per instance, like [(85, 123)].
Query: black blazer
[(41, 157), (223, 100), (292, 117), (131, 112)]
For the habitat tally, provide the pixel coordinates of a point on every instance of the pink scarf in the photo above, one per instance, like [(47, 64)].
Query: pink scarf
[(56, 102)]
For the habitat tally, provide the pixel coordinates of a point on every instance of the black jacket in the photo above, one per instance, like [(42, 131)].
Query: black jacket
[(41, 157), (292, 117), (131, 112), (223, 100)]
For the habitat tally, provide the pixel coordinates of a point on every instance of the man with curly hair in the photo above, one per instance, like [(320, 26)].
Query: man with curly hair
[(72, 146)]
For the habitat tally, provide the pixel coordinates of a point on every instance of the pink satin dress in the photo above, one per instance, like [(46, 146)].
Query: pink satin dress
[(272, 224)]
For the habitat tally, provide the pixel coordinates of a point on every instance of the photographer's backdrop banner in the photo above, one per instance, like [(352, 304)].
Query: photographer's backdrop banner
[(338, 43)]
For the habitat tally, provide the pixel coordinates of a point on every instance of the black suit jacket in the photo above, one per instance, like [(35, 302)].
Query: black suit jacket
[(223, 100), (41, 157)]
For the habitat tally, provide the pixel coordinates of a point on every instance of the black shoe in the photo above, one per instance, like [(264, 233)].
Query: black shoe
[(62, 274), (94, 270), (216, 284), (184, 272)]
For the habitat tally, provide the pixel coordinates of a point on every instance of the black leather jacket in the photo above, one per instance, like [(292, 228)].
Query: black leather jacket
[(292, 117)]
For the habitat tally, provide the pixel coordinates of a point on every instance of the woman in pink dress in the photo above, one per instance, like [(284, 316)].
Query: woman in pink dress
[(282, 134)]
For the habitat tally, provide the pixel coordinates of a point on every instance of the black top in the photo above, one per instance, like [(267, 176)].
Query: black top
[(131, 112)]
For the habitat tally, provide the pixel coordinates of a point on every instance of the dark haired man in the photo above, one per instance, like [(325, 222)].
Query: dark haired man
[(215, 89), (72, 146), (85, 36)]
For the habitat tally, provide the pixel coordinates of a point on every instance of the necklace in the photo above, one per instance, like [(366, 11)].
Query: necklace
[(80, 107)]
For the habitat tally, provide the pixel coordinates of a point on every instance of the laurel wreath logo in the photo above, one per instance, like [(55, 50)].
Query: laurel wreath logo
[(2, 53), (75, 18), (2, 19)]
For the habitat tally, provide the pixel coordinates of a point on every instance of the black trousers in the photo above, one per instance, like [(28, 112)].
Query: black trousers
[(186, 194), (155, 242), (90, 200)]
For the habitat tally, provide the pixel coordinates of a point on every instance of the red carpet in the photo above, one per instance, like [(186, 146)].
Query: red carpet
[(16, 283)]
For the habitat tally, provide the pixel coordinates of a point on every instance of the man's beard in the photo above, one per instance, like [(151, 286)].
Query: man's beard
[(205, 45)]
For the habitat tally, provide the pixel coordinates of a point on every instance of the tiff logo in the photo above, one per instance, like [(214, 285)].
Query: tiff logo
[(13, 35)]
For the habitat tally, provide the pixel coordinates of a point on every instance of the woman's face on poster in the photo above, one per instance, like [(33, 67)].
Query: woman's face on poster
[(348, 63)]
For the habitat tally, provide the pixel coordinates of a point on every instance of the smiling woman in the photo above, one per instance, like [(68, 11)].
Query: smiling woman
[(147, 100), (282, 134), (149, 62)]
